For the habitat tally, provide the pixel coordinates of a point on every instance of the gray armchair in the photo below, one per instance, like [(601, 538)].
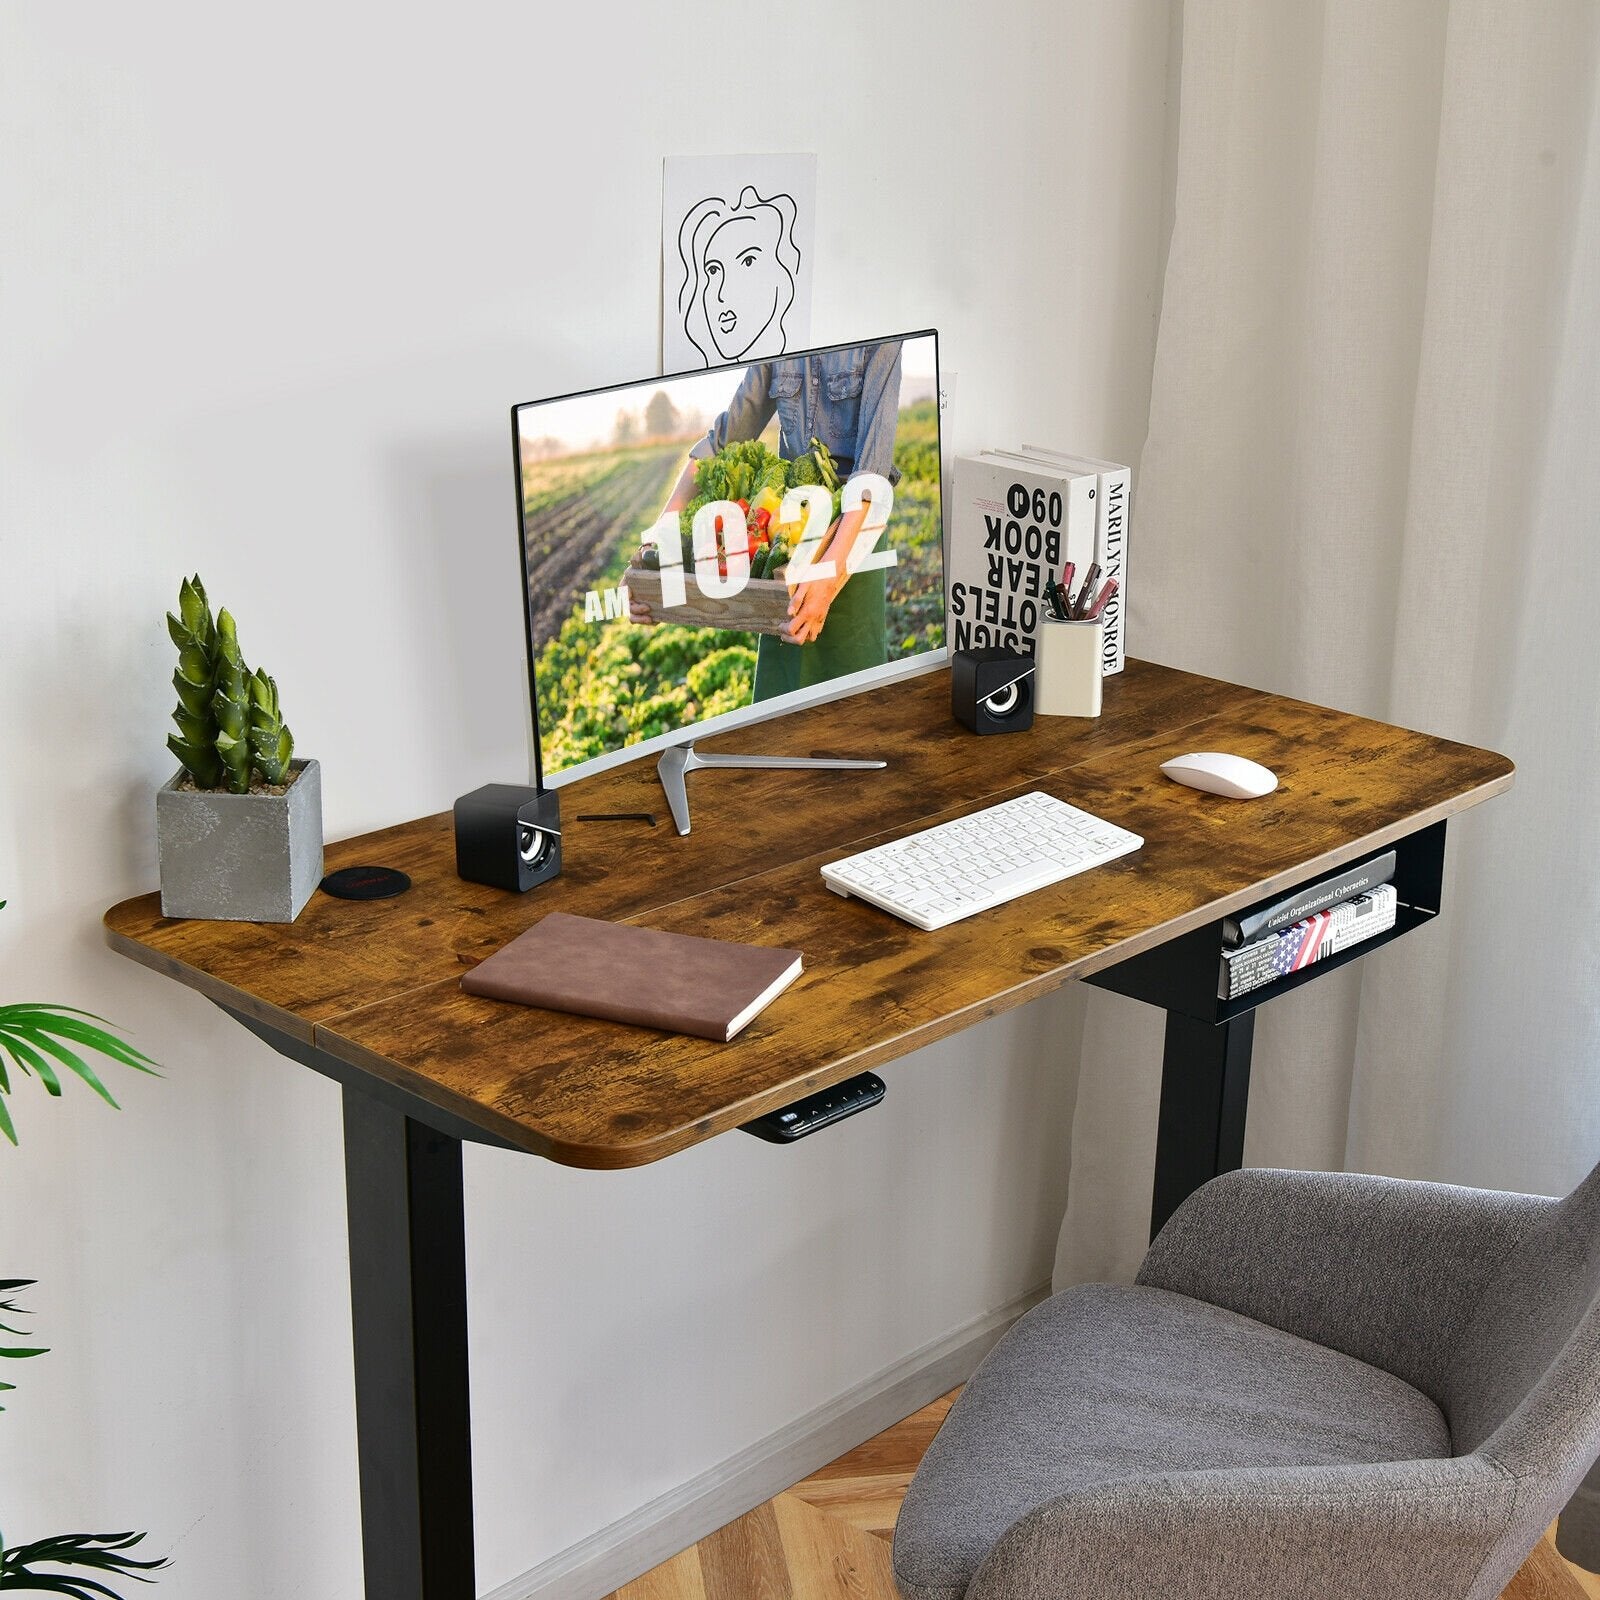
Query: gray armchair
[(1321, 1384)]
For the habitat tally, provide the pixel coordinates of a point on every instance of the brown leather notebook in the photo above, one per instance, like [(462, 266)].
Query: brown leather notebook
[(707, 987)]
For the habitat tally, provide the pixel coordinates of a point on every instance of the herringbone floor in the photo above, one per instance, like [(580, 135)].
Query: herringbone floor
[(827, 1538)]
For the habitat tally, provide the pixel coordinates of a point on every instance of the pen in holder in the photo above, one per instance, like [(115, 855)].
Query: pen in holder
[(1067, 668)]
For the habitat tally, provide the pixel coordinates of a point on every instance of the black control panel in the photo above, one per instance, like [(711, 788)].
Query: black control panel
[(819, 1110)]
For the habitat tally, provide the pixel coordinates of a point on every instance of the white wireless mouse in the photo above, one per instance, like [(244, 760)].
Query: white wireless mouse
[(1218, 773)]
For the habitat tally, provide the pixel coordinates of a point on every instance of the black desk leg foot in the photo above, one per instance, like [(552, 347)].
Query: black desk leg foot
[(1205, 1088), (408, 1295)]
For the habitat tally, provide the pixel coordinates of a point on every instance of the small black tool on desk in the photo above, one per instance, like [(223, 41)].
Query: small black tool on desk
[(819, 1110)]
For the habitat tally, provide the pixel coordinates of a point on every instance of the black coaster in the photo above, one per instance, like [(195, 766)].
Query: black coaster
[(365, 883)]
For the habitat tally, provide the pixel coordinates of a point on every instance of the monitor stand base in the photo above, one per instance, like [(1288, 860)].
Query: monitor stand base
[(677, 763)]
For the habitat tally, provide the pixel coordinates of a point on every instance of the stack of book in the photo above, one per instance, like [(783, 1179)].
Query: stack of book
[(1020, 516), (1306, 926)]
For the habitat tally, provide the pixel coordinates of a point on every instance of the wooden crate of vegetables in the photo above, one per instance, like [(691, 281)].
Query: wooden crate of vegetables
[(762, 606), (757, 480)]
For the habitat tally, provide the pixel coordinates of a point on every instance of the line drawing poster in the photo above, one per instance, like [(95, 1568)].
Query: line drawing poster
[(737, 238)]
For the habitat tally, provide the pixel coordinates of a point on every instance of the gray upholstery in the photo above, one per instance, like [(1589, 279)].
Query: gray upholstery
[(1322, 1384), (1399, 1267), (1523, 1323), (1105, 1383)]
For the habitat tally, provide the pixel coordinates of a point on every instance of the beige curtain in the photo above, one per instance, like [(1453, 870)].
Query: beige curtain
[(1372, 479)]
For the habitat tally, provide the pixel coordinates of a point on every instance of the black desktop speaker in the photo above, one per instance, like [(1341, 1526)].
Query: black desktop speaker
[(508, 836), (991, 691)]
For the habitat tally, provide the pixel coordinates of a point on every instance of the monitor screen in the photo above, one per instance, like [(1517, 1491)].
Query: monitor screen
[(712, 549)]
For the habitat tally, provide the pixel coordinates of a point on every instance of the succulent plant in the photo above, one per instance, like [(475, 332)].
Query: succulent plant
[(230, 725), (231, 706), (271, 743), (195, 634)]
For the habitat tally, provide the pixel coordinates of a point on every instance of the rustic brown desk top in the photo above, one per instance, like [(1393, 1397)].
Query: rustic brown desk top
[(376, 984)]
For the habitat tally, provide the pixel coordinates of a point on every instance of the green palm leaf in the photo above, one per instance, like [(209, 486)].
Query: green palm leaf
[(29, 1059), (12, 1309), (83, 1026), (96, 1552), (40, 1038)]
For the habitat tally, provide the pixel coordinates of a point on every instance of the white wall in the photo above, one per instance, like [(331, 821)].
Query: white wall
[(273, 278)]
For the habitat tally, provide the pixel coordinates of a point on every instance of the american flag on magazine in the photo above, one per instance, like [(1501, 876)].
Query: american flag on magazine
[(1300, 945), (1278, 955)]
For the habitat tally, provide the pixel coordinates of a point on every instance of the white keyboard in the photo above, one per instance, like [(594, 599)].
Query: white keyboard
[(959, 868)]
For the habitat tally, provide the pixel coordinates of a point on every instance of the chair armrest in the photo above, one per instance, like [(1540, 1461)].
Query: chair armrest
[(1389, 1532), (1382, 1269)]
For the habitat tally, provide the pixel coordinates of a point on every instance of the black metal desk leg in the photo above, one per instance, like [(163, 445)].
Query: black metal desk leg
[(1205, 1089), (408, 1295)]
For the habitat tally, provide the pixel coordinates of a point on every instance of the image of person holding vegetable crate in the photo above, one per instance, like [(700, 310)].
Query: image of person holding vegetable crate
[(837, 414)]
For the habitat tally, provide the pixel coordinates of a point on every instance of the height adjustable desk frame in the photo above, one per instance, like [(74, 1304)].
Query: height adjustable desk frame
[(367, 993)]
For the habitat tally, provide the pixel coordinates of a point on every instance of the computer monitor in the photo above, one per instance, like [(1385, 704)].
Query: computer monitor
[(710, 550)]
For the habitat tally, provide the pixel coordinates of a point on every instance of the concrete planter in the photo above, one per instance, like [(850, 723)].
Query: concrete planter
[(240, 857)]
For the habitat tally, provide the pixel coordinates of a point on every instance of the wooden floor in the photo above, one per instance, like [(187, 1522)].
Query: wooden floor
[(1587, 1581), (827, 1538)]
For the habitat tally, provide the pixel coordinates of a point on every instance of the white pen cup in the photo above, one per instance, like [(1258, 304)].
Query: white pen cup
[(1067, 668)]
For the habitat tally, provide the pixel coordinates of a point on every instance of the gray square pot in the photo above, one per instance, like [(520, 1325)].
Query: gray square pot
[(240, 857)]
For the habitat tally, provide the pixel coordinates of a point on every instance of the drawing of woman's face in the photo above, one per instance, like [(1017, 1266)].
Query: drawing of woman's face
[(744, 281)]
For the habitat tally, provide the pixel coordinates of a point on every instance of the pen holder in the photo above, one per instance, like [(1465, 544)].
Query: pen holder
[(1067, 668)]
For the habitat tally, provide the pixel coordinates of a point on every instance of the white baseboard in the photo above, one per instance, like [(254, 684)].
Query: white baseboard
[(634, 1544)]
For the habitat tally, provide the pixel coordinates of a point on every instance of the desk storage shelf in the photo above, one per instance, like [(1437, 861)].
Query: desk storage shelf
[(1181, 975)]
